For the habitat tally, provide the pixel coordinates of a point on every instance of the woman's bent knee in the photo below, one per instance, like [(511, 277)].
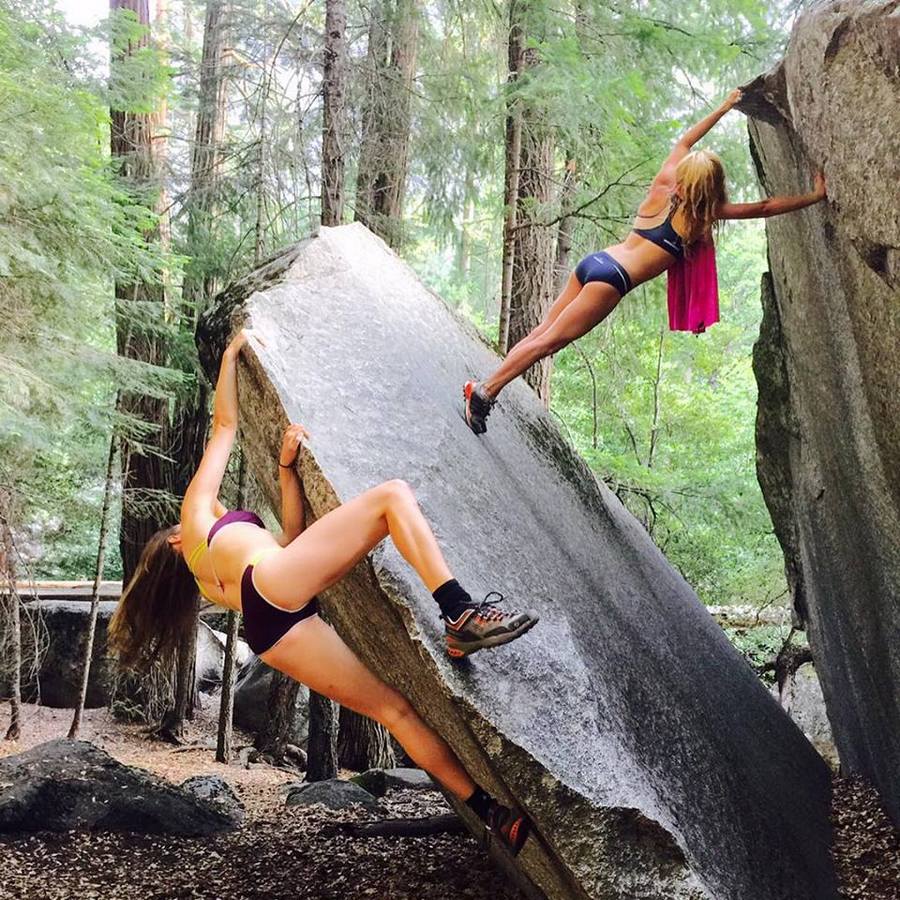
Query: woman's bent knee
[(397, 491)]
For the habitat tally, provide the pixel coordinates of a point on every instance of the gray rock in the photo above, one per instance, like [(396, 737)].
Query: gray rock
[(333, 793), (828, 429), (61, 668), (803, 701), (652, 760), (210, 658), (379, 781), (251, 697), (216, 791), (73, 785)]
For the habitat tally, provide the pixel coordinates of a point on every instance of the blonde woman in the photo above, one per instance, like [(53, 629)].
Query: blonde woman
[(673, 223), (273, 580)]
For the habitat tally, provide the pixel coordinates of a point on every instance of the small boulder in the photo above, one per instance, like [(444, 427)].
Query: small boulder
[(251, 697), (67, 785), (379, 781), (333, 793), (804, 702), (215, 790)]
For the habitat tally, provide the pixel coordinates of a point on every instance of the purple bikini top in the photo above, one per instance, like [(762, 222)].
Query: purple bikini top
[(234, 515)]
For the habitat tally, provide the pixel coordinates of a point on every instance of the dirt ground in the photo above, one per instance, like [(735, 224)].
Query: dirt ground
[(280, 852), (285, 852)]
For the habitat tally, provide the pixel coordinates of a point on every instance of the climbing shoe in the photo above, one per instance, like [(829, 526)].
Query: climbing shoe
[(511, 826), (485, 625), (478, 406)]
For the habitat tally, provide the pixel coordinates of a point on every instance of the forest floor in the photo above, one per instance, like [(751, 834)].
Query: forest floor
[(286, 852), (279, 852)]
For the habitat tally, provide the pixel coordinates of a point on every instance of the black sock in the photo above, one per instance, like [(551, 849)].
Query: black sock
[(452, 599), (480, 802)]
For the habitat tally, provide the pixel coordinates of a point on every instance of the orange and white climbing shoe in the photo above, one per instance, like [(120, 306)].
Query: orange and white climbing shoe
[(510, 825), (478, 406), (485, 625)]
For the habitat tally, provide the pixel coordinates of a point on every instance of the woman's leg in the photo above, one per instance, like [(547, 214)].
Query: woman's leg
[(313, 652), (567, 295), (594, 302), (331, 546)]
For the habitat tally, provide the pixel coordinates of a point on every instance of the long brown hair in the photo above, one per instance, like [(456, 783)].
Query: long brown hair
[(156, 608), (700, 186)]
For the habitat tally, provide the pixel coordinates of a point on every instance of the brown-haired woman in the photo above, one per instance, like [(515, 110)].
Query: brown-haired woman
[(686, 199), (274, 579)]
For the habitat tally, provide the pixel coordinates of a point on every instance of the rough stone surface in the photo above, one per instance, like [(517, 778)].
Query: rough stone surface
[(379, 781), (61, 670), (333, 793), (651, 759), (251, 698), (210, 658), (64, 785), (216, 791), (828, 429), (803, 701)]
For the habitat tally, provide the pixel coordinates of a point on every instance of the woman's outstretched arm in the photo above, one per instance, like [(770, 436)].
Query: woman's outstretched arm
[(666, 176), (293, 517), (774, 206), (203, 491)]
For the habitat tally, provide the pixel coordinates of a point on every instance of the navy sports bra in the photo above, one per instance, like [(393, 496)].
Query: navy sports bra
[(664, 235)]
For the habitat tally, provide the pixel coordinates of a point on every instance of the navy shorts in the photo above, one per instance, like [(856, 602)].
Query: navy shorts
[(602, 267)]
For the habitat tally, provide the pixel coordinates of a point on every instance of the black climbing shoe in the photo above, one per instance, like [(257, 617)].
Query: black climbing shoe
[(478, 406), (485, 625), (510, 825)]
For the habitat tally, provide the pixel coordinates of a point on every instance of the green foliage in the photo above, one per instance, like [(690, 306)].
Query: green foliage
[(66, 232)]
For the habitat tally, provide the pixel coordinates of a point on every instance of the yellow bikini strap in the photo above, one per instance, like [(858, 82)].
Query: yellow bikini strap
[(194, 557)]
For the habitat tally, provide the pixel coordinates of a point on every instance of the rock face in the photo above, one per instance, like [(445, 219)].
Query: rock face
[(653, 762), (802, 700), (59, 678), (828, 430), (65, 785), (251, 697)]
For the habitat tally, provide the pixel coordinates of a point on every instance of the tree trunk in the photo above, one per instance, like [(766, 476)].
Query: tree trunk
[(143, 450), (511, 176), (201, 282), (532, 271), (10, 595), (334, 122), (226, 704), (281, 714), (322, 761), (363, 743), (566, 226), (383, 158), (171, 728), (95, 594)]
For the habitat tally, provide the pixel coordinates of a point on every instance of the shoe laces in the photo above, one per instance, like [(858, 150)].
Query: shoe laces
[(487, 609), (480, 404)]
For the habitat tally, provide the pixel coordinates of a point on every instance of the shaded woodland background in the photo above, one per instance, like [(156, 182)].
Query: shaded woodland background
[(465, 134)]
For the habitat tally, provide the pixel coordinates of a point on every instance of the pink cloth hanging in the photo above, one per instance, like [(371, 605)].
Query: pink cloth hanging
[(694, 290)]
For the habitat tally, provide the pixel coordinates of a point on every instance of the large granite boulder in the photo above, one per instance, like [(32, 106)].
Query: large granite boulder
[(72, 785), (65, 628), (652, 760), (828, 428)]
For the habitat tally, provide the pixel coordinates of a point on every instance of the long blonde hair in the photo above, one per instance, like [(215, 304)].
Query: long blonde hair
[(156, 608), (700, 190)]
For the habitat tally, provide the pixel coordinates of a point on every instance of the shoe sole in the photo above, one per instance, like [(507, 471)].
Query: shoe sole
[(474, 428), (458, 649)]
